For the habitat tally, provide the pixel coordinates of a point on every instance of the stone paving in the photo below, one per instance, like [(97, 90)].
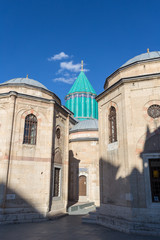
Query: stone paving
[(66, 228)]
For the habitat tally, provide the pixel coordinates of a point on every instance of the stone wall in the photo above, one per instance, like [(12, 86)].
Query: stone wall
[(26, 170), (84, 160), (124, 164)]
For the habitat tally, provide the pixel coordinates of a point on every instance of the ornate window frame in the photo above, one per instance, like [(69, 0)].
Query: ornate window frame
[(154, 111), (148, 118)]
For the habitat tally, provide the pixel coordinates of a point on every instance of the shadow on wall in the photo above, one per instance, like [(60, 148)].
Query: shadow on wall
[(118, 191), (152, 142), (130, 190), (73, 181), (14, 208)]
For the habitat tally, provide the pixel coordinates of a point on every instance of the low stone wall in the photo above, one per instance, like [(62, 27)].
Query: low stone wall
[(140, 221)]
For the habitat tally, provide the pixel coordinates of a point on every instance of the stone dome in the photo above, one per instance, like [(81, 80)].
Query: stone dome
[(25, 81), (143, 57), (86, 125)]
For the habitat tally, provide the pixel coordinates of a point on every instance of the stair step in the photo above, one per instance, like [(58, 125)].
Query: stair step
[(81, 209), (93, 215), (88, 219), (21, 218)]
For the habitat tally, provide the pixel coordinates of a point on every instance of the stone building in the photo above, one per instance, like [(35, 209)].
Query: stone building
[(83, 143), (34, 130), (39, 138), (129, 145), (50, 158), (84, 162)]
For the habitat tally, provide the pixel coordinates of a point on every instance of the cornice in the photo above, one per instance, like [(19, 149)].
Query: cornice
[(128, 80)]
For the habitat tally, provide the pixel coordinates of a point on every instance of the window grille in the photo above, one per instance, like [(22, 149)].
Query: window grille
[(112, 125), (30, 129), (154, 111), (154, 165), (56, 190)]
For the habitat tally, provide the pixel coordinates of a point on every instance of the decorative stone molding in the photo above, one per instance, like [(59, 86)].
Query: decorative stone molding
[(112, 104), (31, 111), (146, 116), (61, 117)]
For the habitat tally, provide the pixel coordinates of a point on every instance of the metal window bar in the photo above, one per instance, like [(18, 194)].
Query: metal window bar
[(112, 125), (154, 167), (56, 182), (30, 129)]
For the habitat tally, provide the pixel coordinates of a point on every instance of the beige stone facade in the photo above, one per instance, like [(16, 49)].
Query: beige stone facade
[(27, 170), (126, 191), (114, 163), (84, 162)]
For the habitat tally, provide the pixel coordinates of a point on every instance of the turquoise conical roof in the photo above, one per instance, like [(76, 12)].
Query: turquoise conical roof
[(81, 99), (82, 85)]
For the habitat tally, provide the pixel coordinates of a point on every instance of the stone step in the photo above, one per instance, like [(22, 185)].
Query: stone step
[(89, 219), (21, 218), (81, 209), (93, 215), (16, 210)]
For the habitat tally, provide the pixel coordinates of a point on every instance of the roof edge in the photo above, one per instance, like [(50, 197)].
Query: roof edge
[(84, 130), (31, 86), (123, 67), (127, 80)]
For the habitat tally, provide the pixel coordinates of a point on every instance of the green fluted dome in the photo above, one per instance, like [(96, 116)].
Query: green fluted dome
[(81, 99), (82, 85)]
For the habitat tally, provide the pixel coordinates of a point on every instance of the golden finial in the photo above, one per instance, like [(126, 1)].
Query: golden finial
[(147, 50), (82, 65), (27, 76)]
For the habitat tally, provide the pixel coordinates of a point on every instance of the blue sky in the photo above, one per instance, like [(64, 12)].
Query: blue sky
[(47, 39)]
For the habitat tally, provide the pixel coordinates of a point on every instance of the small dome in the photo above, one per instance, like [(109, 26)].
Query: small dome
[(143, 57), (26, 81), (86, 125)]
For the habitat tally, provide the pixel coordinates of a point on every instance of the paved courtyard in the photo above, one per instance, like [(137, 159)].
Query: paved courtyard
[(66, 228)]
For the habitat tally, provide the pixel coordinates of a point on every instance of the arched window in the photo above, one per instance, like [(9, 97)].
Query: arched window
[(112, 125), (58, 133), (30, 129)]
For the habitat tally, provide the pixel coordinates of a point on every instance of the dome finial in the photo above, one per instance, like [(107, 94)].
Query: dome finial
[(147, 50), (81, 65)]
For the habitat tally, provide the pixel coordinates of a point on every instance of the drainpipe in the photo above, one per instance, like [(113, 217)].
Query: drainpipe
[(13, 96)]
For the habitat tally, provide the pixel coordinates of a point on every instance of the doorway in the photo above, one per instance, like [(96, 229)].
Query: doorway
[(82, 185)]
